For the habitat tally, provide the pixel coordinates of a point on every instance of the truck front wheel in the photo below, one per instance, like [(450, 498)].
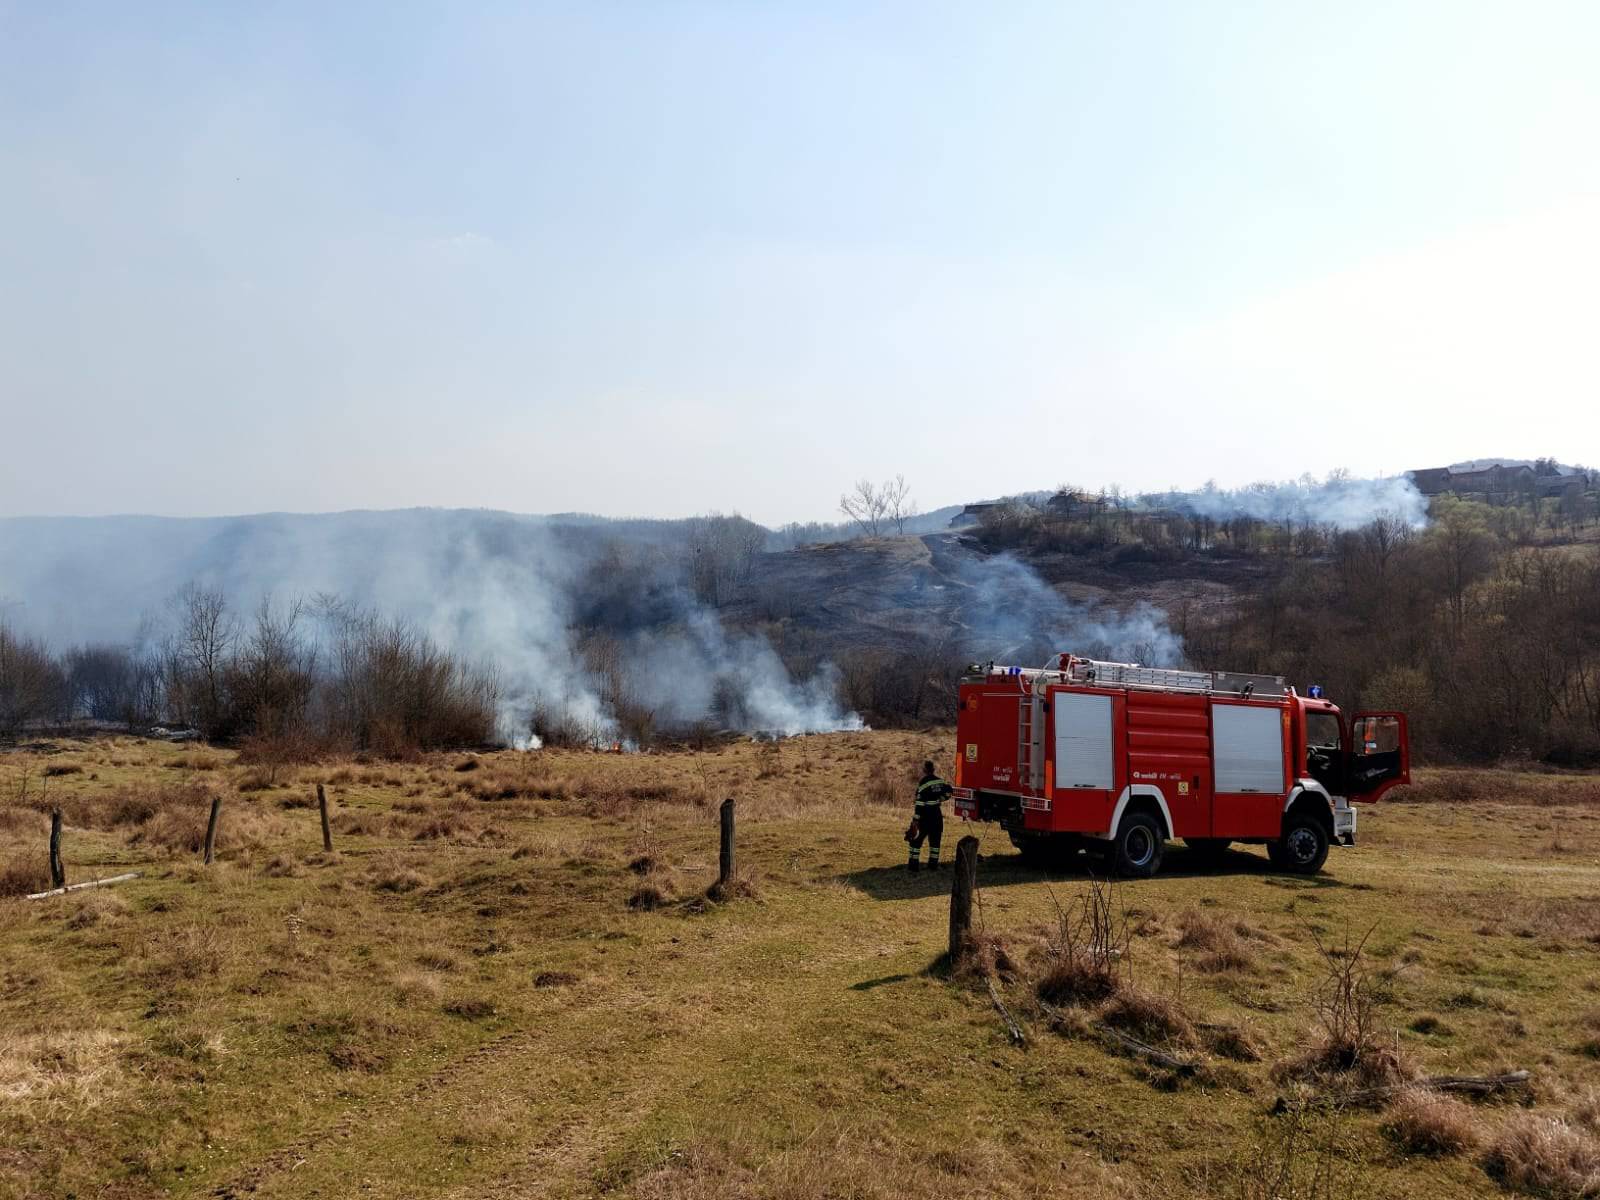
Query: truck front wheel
[(1303, 848), (1136, 850)]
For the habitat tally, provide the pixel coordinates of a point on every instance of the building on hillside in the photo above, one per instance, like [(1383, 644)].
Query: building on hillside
[(1076, 504), (1561, 485), (971, 514), (1489, 479), (1432, 481)]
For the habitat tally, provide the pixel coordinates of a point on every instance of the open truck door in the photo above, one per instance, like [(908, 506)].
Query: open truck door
[(1380, 754)]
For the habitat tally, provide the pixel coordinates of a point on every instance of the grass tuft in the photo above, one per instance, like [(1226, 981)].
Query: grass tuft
[(1545, 1156), (1430, 1124)]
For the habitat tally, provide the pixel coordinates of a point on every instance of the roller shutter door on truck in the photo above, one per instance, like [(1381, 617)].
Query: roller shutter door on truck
[(1083, 741), (1248, 744)]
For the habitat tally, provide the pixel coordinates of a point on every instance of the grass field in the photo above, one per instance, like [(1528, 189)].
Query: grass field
[(507, 981)]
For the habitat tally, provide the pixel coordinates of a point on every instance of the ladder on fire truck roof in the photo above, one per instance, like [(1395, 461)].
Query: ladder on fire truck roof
[(1131, 675), (1167, 679)]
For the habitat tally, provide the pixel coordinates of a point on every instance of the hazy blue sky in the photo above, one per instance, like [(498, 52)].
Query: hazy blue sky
[(665, 257)]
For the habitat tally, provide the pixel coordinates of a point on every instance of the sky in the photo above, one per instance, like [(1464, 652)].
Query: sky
[(663, 258)]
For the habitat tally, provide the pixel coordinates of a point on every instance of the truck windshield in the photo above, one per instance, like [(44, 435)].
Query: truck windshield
[(1322, 731)]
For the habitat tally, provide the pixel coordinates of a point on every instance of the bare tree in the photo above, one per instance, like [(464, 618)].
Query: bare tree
[(865, 506), (31, 684), (206, 633), (721, 554), (897, 502)]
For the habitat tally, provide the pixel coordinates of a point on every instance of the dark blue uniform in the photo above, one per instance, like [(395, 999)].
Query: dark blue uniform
[(931, 792)]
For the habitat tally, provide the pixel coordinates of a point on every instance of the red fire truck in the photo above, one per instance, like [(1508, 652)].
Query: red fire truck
[(1115, 756)]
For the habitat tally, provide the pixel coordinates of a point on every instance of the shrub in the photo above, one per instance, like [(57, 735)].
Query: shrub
[(1086, 958), (1148, 1016), (1347, 1010), (399, 879), (24, 876), (256, 780), (1428, 1123), (1545, 1156), (648, 896), (1232, 1041)]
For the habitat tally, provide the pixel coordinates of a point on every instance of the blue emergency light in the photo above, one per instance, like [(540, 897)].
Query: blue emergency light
[(1315, 691)]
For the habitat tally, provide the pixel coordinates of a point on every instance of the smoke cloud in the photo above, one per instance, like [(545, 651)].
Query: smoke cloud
[(1338, 500), (1015, 617), (498, 589)]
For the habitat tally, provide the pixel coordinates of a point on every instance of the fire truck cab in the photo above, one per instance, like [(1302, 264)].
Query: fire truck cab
[(1121, 757)]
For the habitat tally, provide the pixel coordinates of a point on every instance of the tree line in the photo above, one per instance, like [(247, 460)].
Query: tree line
[(1489, 643), (1483, 625), (288, 678)]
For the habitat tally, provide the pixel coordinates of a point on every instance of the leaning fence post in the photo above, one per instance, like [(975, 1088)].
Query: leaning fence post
[(58, 874), (327, 834), (961, 896), (725, 859), (211, 827)]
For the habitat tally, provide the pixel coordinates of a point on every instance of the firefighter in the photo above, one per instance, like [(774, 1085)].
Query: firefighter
[(927, 822)]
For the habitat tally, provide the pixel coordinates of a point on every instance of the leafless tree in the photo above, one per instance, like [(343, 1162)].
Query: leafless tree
[(203, 646), (866, 505), (275, 674), (721, 555), (897, 502), (31, 685)]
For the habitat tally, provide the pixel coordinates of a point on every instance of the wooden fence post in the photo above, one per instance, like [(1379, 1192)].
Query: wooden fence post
[(961, 897), (211, 827), (58, 873), (725, 859), (327, 834)]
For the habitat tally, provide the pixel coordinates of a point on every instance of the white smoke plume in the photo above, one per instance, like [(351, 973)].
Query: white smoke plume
[(1014, 617), (1338, 500), (498, 589)]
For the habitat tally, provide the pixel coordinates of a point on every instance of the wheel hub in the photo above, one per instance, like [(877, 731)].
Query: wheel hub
[(1302, 844), (1138, 846)]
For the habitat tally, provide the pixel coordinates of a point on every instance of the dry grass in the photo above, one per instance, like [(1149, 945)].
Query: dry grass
[(472, 937), (882, 787), (1149, 1016), (1545, 1156), (1218, 942), (1421, 1122), (23, 875), (1467, 785), (64, 1070)]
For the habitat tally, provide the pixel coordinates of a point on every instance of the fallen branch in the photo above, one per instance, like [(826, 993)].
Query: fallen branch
[(1015, 1030), (1120, 1041), (1131, 1045), (78, 886), (1476, 1085)]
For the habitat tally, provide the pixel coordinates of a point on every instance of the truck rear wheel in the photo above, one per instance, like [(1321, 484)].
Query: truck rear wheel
[(1303, 848), (1136, 850)]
